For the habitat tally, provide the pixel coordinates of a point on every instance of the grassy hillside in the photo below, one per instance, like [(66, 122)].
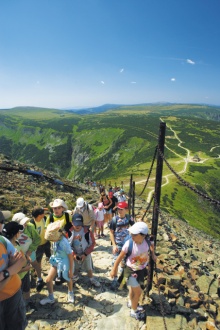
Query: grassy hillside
[(112, 145)]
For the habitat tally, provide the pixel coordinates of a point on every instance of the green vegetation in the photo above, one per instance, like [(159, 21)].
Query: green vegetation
[(111, 145)]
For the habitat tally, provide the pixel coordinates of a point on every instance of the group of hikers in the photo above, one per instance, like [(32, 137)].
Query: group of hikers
[(67, 238)]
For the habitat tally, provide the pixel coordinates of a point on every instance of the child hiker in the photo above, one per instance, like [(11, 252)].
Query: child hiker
[(99, 213), (61, 261), (135, 269)]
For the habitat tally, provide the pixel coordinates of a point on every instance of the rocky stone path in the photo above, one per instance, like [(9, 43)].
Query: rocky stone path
[(94, 308), (187, 294)]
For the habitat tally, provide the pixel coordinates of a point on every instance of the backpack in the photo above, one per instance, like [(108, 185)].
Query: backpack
[(115, 219), (130, 246), (3, 241), (68, 224)]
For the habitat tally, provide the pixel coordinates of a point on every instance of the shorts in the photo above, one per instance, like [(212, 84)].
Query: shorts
[(26, 283), (132, 281), (62, 266), (99, 224), (33, 256), (43, 249), (86, 265), (12, 313), (108, 211)]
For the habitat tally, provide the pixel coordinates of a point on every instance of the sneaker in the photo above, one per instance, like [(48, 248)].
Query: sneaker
[(46, 301), (75, 278), (138, 315), (99, 236), (95, 282), (103, 235), (139, 308), (70, 297), (40, 285)]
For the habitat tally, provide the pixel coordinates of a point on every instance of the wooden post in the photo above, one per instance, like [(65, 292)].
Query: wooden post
[(157, 193), (133, 199)]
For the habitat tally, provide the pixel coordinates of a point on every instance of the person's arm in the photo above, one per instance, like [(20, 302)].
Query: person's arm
[(153, 255), (114, 270), (36, 240), (17, 264), (90, 248)]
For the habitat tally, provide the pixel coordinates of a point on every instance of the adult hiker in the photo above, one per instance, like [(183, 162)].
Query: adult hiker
[(12, 308), (119, 234), (135, 270), (114, 202), (107, 204), (87, 212)]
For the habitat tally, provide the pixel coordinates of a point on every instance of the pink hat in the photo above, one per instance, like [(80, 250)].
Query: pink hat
[(100, 205)]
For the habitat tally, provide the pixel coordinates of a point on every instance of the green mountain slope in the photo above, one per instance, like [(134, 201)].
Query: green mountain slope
[(113, 144)]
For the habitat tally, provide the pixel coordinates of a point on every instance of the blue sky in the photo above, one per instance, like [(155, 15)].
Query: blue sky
[(81, 53)]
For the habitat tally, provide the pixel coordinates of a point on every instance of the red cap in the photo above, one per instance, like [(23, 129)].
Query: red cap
[(122, 205)]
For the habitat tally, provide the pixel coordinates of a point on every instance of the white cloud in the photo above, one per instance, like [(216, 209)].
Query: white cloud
[(122, 70), (102, 82), (190, 61), (173, 79), (133, 82)]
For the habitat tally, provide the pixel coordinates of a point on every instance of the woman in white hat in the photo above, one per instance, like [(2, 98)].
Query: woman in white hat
[(136, 253)]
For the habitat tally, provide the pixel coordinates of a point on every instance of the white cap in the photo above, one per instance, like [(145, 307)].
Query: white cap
[(59, 202), (139, 227), (80, 202), (21, 218)]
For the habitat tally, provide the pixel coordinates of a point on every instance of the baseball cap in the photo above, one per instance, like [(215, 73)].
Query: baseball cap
[(77, 219), (11, 229), (122, 205), (80, 202), (139, 227), (21, 218)]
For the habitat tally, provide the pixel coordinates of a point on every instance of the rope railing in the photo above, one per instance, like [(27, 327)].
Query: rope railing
[(150, 171), (186, 184)]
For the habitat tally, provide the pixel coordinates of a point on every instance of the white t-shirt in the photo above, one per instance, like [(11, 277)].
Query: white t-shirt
[(139, 256), (99, 215)]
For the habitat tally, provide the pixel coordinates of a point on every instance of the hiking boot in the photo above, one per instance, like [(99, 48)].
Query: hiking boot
[(138, 315), (103, 235), (40, 285), (70, 297), (46, 301), (95, 282)]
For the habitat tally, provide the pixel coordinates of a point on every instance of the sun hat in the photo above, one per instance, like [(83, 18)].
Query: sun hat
[(100, 205), (59, 202), (139, 227), (122, 205), (77, 219), (54, 230), (80, 202), (11, 229), (4, 215), (21, 218)]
